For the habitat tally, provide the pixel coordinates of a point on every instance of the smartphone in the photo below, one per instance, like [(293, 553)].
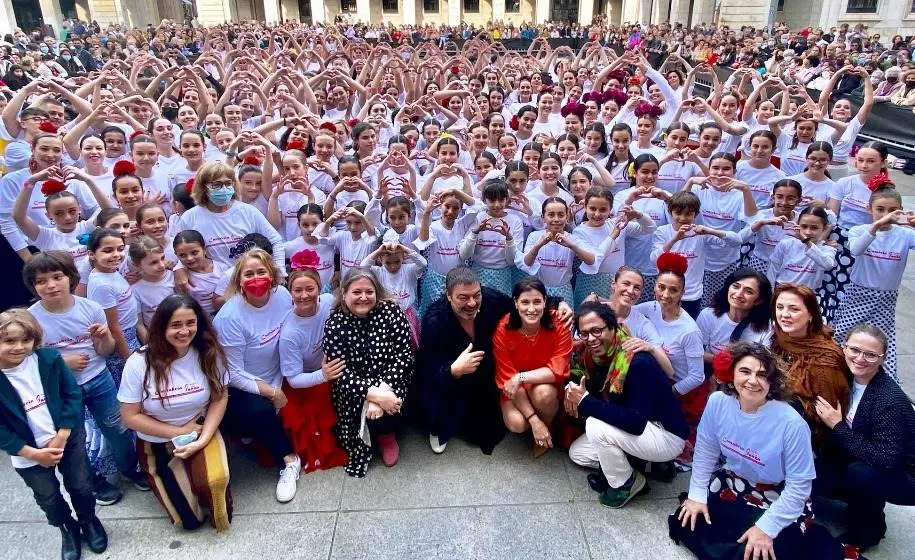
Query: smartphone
[(184, 439)]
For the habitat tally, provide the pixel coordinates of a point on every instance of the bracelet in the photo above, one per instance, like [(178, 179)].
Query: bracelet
[(529, 416)]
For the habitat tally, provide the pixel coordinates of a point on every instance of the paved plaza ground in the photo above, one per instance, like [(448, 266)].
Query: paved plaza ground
[(459, 505)]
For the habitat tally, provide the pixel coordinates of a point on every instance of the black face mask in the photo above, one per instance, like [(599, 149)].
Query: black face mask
[(892, 79), (910, 84), (170, 113)]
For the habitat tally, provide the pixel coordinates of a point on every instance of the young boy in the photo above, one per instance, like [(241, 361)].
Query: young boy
[(75, 326), (691, 240), (41, 427)]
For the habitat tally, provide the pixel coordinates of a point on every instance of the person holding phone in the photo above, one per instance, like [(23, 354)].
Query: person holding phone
[(174, 394)]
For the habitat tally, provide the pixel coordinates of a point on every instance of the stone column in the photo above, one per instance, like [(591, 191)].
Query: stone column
[(363, 11), (409, 12), (317, 11), (272, 11), (542, 11), (454, 12), (585, 11), (8, 18), (630, 11), (660, 11), (50, 13), (498, 10)]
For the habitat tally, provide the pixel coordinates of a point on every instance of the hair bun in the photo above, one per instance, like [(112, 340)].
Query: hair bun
[(123, 167), (648, 109), (672, 262), (880, 181), (329, 126), (135, 133), (251, 159), (52, 186)]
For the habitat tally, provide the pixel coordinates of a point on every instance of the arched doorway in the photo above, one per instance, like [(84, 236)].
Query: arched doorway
[(28, 14)]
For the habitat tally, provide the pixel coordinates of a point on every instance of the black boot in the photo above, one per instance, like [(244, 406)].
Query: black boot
[(71, 544), (94, 534)]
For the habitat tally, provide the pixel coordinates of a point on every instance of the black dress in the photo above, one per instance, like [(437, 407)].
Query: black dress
[(377, 349)]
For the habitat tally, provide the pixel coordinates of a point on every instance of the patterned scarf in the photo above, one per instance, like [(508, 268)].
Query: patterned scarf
[(615, 359)]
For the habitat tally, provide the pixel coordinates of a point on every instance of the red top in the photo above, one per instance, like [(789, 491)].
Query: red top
[(515, 352)]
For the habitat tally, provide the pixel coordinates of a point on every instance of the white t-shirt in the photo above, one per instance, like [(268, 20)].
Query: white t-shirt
[(185, 396), (794, 262), (302, 345), (250, 337), (638, 246), (204, 286), (222, 230), (68, 333), (767, 237), (52, 239), (716, 331), (794, 160), (640, 327), (880, 259), (490, 245), (26, 381), (442, 246), (674, 174), (170, 164), (111, 290), (553, 263), (855, 198), (289, 204), (695, 249), (682, 342), (842, 149), (351, 251), (760, 181), (401, 285), (150, 294), (817, 190), (326, 254), (724, 211), (770, 446)]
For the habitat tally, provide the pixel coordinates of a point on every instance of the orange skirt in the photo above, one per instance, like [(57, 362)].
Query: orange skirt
[(309, 418)]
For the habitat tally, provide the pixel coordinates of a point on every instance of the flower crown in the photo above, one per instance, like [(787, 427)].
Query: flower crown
[(648, 109), (52, 186), (672, 262), (306, 258), (723, 366)]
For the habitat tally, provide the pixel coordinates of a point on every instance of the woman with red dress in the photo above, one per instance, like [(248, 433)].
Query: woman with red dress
[(532, 353), (309, 418)]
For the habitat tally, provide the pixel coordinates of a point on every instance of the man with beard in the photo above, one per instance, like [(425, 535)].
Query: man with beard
[(455, 365)]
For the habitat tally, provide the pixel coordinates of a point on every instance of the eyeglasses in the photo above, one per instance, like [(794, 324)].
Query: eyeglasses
[(853, 353), (593, 331), (221, 184)]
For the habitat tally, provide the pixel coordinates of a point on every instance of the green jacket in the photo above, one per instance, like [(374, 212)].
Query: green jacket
[(64, 401)]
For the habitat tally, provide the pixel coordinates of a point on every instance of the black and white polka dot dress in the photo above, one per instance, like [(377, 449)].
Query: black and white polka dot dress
[(377, 348)]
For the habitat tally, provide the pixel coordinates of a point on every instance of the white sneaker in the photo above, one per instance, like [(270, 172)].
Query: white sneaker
[(437, 447), (289, 476)]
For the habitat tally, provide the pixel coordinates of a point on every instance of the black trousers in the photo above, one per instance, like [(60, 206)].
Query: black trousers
[(253, 416), (866, 490), (77, 474)]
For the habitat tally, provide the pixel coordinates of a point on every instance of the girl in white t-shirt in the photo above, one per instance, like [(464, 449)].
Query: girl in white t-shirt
[(646, 126), (309, 416), (156, 280), (310, 217), (109, 289), (291, 193), (801, 256), (191, 146), (441, 238), (550, 254), (203, 272), (145, 155), (251, 187), (757, 170), (620, 157), (815, 184), (493, 242), (399, 274), (62, 208), (550, 173), (151, 221), (350, 188), (448, 173), (793, 157), (679, 163), (881, 251), (176, 386), (769, 226), (352, 243)]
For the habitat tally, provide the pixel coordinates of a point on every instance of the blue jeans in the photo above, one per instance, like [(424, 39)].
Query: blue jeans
[(101, 398), (74, 468)]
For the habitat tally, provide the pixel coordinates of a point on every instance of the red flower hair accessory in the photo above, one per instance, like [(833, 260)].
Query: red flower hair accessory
[(573, 109), (513, 123), (879, 181), (189, 185), (455, 69), (634, 81), (252, 159), (648, 109), (123, 167), (306, 258), (329, 126), (723, 366), (295, 145), (672, 262), (136, 133), (619, 74), (594, 96), (52, 186), (352, 122), (48, 126)]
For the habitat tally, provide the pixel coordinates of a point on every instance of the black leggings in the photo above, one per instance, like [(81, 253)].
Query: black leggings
[(253, 416)]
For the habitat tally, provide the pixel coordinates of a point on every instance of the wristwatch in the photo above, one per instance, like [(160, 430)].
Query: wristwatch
[(521, 378), (232, 154)]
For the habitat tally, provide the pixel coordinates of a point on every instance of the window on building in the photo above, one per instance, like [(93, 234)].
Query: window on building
[(432, 6), (514, 6), (472, 6), (781, 5), (389, 6), (862, 7), (348, 5)]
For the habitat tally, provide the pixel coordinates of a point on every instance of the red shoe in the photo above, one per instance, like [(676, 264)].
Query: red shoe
[(390, 451)]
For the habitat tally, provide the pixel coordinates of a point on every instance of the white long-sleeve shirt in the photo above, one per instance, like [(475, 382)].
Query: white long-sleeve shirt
[(222, 230), (682, 342), (695, 249), (797, 263), (401, 285), (442, 246), (302, 345), (880, 259), (770, 446), (490, 249)]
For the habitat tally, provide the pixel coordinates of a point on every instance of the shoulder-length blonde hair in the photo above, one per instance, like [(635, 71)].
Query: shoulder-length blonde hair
[(21, 318), (358, 273), (209, 172), (262, 257)]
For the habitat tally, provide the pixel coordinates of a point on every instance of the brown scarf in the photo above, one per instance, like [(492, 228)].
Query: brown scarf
[(817, 369)]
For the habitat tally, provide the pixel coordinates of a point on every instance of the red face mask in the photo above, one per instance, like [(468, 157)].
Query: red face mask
[(257, 287)]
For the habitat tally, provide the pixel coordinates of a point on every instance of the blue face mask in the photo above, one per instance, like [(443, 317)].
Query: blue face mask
[(103, 40), (43, 49), (221, 196)]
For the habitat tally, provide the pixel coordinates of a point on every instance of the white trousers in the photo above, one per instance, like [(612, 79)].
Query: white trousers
[(606, 446)]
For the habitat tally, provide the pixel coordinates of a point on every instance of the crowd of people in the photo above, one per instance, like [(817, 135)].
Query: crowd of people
[(297, 240)]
